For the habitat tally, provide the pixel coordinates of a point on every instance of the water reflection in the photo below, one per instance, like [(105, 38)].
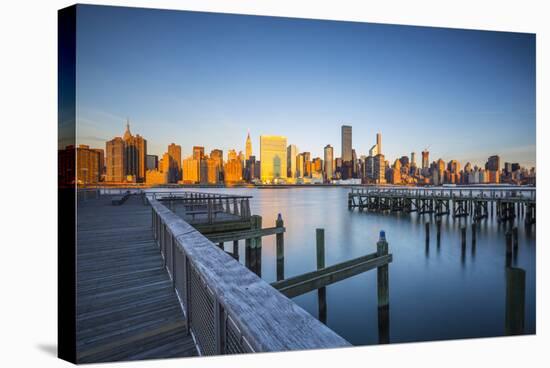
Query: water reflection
[(459, 293)]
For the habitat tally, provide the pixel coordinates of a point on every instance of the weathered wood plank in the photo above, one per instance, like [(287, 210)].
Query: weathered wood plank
[(126, 306), (246, 234), (310, 281)]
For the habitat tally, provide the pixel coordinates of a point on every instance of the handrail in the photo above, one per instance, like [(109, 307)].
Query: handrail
[(229, 309)]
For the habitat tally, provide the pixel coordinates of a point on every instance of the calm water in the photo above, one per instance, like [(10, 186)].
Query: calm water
[(435, 292)]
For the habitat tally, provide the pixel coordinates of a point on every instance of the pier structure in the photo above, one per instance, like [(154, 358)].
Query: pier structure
[(151, 285), (477, 203)]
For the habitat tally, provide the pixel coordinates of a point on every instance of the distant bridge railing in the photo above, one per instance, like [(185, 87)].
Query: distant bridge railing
[(228, 308)]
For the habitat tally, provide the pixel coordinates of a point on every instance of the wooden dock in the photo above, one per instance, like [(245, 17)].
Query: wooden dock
[(506, 203), (126, 306)]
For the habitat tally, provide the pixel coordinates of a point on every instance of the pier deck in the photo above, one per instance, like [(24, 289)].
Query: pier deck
[(126, 306)]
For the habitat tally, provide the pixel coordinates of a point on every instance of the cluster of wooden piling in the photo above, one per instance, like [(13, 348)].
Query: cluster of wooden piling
[(324, 275), (506, 205), (515, 277)]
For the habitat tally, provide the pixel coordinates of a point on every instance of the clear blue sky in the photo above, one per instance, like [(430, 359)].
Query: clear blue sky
[(206, 79)]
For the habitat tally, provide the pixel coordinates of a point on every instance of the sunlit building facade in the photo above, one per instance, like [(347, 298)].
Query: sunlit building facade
[(190, 170), (115, 163), (273, 158), (329, 162), (291, 153)]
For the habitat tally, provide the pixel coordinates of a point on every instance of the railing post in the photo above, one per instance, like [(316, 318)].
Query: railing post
[(235, 208), (236, 249), (173, 251), (210, 211), (219, 327)]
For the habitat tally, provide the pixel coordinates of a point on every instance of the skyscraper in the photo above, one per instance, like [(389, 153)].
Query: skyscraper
[(425, 159), (329, 162), (291, 152), (248, 147), (317, 168), (101, 153), (174, 174), (306, 170), (115, 163), (396, 172), (190, 170), (217, 155), (87, 165), (346, 143), (273, 158), (413, 159), (208, 171), (233, 170), (379, 169), (152, 162), (198, 152), (134, 157), (373, 150), (493, 169), (300, 165), (493, 163), (232, 155), (379, 142)]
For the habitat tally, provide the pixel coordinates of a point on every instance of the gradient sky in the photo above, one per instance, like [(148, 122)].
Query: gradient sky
[(206, 79)]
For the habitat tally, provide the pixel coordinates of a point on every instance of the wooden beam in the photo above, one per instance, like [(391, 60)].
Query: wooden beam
[(246, 234), (310, 281)]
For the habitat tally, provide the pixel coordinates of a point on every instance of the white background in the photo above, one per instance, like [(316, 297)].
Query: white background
[(28, 223)]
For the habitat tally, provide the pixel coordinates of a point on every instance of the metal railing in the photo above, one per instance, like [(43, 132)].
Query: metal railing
[(228, 308), (200, 207), (87, 194)]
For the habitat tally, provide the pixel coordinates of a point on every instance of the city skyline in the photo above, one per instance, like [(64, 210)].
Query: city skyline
[(463, 94), (127, 160), (187, 152)]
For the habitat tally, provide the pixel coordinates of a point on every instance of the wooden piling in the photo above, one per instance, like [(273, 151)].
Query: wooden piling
[(438, 232), (383, 293), (321, 292), (508, 249), (515, 301), (320, 235), (427, 232), (257, 225), (515, 238), (280, 245)]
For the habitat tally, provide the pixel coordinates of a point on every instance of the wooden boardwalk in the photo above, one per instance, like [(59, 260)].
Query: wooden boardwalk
[(126, 306)]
